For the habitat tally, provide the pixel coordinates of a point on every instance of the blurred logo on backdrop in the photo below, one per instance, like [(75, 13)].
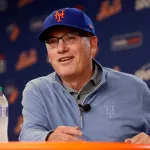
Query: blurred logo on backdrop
[(117, 68), (11, 93), (36, 23), (108, 9), (2, 64), (17, 129), (79, 6), (23, 3), (142, 4), (26, 59), (3, 5), (126, 41), (13, 30), (144, 72)]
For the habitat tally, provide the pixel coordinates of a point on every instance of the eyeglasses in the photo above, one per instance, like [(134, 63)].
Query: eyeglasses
[(68, 39)]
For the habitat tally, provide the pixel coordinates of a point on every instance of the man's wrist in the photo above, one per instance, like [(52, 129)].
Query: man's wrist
[(48, 135)]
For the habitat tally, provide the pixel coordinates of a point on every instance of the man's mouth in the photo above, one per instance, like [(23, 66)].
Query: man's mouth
[(63, 59)]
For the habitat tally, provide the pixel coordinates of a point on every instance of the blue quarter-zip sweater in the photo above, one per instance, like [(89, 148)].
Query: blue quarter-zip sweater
[(120, 108)]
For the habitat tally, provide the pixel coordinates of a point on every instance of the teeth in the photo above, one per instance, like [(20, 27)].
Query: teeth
[(65, 58)]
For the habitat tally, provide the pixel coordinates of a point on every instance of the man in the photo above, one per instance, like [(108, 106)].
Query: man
[(81, 100)]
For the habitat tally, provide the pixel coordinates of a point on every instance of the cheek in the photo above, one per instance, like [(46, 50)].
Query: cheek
[(50, 56), (86, 46), (86, 43), (86, 55)]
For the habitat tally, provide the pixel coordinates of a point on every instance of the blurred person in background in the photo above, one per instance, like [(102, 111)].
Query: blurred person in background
[(81, 100)]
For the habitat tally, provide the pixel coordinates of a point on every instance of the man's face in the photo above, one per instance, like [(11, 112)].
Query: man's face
[(71, 60)]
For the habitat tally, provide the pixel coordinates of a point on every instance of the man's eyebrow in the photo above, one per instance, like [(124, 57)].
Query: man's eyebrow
[(49, 37), (69, 32)]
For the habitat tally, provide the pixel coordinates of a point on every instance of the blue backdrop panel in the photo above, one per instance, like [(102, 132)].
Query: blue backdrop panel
[(122, 27)]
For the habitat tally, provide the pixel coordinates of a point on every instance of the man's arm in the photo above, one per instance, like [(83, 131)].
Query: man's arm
[(143, 137), (35, 123)]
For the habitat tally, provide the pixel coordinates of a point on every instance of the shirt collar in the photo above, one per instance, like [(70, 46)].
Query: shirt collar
[(94, 77)]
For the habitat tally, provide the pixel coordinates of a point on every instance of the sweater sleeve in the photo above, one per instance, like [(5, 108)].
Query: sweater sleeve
[(146, 109), (35, 125)]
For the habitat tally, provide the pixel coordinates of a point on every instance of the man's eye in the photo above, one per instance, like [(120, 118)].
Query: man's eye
[(52, 41), (71, 37)]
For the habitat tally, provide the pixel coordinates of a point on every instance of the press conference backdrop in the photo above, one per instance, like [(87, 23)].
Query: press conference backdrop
[(122, 26)]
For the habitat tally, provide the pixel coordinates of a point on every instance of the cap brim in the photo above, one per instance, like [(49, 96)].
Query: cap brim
[(43, 34)]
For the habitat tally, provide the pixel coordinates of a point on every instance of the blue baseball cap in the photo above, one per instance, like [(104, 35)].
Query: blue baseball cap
[(70, 17)]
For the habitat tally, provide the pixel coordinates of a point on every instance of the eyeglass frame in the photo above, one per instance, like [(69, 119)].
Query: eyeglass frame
[(79, 34)]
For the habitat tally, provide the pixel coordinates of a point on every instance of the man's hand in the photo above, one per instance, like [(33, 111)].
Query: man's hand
[(141, 138), (66, 133)]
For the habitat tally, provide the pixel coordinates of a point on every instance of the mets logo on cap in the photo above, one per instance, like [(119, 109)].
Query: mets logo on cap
[(59, 15)]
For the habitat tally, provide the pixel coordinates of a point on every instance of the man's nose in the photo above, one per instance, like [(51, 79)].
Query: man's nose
[(61, 46)]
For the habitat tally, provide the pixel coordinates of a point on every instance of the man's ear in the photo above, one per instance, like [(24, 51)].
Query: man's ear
[(94, 46), (48, 58)]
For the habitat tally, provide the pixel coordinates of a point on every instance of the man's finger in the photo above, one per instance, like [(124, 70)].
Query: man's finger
[(69, 130), (67, 137), (141, 138), (77, 127), (144, 138), (128, 141)]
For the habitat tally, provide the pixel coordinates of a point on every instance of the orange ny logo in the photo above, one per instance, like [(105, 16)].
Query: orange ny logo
[(59, 16)]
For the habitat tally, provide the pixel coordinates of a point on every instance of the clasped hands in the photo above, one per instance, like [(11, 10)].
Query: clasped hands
[(67, 133)]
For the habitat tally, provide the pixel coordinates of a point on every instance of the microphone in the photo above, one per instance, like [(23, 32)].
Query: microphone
[(85, 108)]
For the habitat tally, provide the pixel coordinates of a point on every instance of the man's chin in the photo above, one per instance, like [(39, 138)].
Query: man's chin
[(65, 74)]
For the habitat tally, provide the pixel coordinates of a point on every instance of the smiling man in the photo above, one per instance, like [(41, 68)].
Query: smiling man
[(81, 100), (71, 56)]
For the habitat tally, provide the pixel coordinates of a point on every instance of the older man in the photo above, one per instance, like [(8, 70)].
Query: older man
[(81, 100)]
